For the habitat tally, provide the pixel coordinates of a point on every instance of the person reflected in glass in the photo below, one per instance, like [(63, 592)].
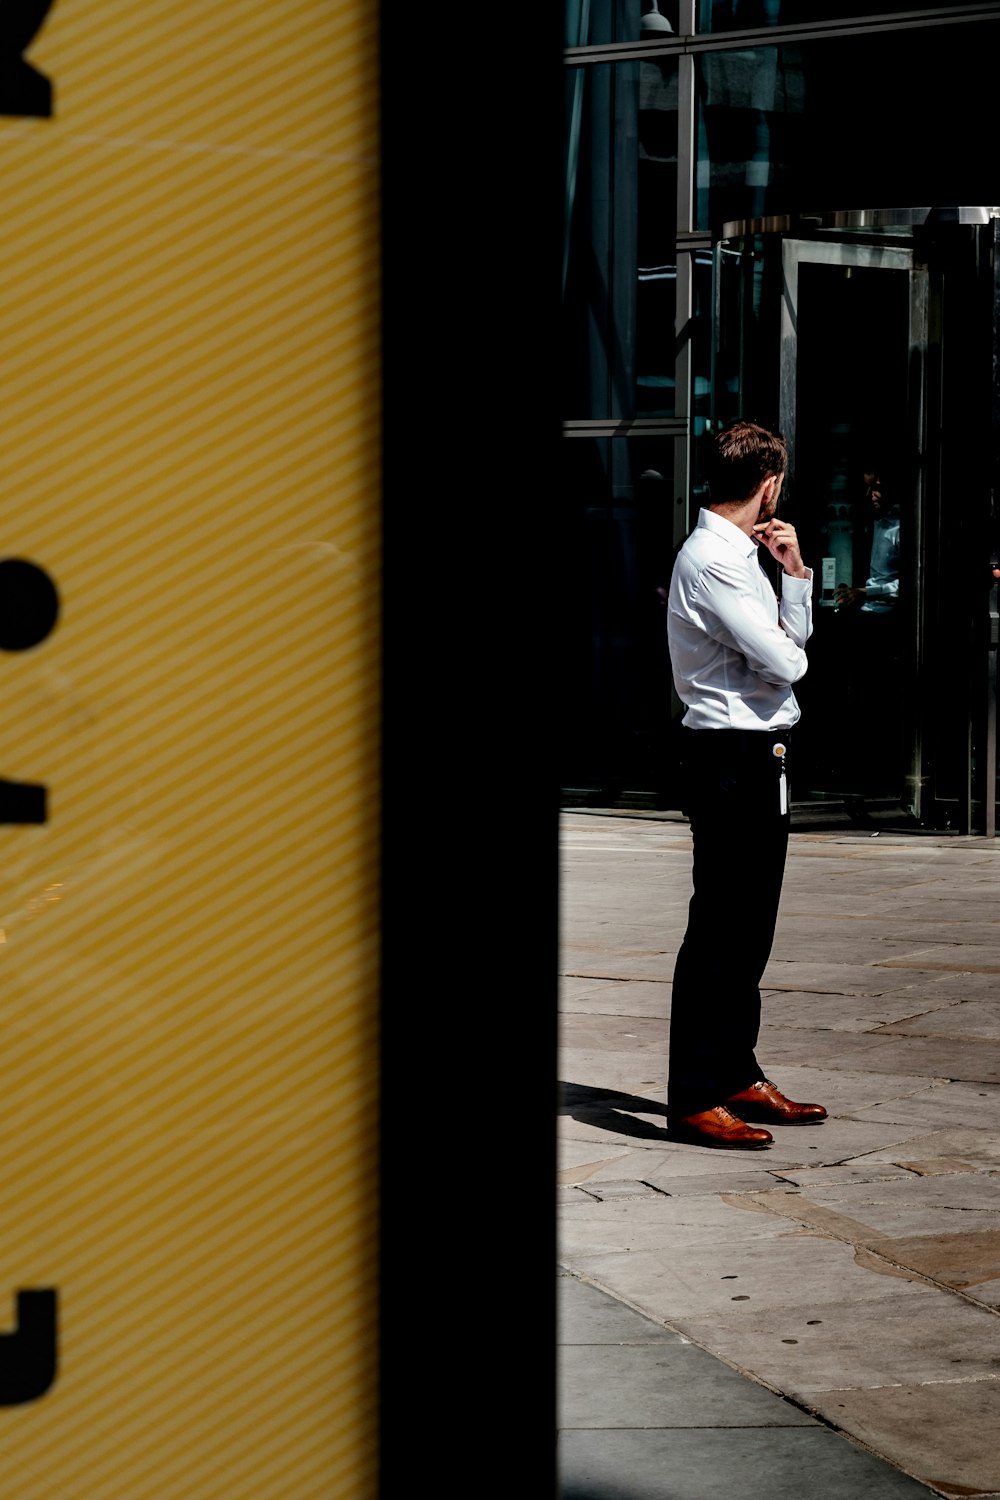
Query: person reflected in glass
[(871, 643), (880, 593)]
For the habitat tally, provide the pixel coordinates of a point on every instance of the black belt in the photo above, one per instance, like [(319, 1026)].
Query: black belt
[(749, 737)]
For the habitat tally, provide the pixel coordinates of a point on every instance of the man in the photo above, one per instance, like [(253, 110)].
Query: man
[(735, 652), (873, 649), (880, 594)]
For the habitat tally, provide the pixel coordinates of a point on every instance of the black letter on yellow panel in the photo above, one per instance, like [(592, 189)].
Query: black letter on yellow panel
[(29, 603), (29, 609), (22, 802), (23, 90), (28, 1356)]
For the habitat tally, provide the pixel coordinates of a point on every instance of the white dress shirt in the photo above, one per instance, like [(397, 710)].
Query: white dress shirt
[(882, 588), (734, 651)]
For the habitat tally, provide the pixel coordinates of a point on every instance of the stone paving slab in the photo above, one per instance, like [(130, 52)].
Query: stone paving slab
[(797, 1272), (812, 938), (871, 1299), (949, 906), (660, 1385), (596, 963), (615, 997), (714, 1464), (978, 1018), (727, 1179), (851, 1012), (947, 1059), (598, 1029), (840, 976), (947, 1225), (833, 1142), (826, 1173), (579, 1160), (977, 1148), (912, 1423), (855, 1343), (906, 1222), (642, 1408), (956, 1251), (677, 1167), (962, 955), (613, 1127), (921, 1193), (586, 1315), (943, 1104), (844, 1090), (656, 1223)]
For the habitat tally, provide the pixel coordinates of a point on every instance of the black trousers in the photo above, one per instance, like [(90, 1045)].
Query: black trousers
[(732, 781)]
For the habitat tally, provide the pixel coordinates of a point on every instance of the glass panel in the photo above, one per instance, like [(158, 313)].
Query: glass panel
[(958, 538), (850, 492), (851, 502), (616, 553), (749, 105), (597, 23), (746, 15), (702, 375), (621, 213), (849, 123), (747, 332)]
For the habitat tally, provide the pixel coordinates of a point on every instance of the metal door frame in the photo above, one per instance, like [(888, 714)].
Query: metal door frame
[(794, 252)]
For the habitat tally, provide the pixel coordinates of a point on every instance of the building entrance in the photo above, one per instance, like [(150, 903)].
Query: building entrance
[(853, 338), (869, 344)]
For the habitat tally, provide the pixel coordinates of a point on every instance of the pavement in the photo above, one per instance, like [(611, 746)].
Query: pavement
[(820, 1318)]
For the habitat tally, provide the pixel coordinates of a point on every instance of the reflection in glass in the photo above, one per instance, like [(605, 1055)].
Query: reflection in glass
[(880, 592), (869, 641), (621, 200), (793, 129), (748, 105), (746, 15), (616, 532), (598, 23), (852, 486)]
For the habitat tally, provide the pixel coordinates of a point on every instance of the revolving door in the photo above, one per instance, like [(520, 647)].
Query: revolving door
[(869, 340)]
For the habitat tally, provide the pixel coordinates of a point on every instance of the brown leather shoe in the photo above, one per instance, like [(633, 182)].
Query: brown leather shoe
[(762, 1101), (718, 1127)]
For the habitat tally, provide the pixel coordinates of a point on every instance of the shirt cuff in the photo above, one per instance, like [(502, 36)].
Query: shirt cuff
[(796, 588)]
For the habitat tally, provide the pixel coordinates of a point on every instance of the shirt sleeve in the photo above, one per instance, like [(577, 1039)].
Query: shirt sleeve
[(884, 580), (733, 613), (796, 606)]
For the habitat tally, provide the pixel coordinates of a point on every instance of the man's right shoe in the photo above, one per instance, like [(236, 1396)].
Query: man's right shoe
[(718, 1127)]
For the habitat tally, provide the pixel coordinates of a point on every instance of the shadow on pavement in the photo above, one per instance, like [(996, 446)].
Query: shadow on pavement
[(607, 1109)]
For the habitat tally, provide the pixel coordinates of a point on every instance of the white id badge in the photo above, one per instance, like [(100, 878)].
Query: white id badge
[(778, 749)]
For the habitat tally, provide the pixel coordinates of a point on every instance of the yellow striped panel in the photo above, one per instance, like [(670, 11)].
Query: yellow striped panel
[(190, 448)]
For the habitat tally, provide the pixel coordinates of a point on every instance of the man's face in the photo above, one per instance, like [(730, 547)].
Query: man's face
[(769, 500), (873, 490)]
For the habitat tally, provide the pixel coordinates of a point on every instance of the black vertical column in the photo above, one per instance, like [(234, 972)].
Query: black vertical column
[(472, 194)]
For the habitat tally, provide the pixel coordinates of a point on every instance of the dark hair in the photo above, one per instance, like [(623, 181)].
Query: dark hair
[(882, 466), (741, 457)]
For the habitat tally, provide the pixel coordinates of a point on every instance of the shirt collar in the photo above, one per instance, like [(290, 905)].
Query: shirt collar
[(730, 533)]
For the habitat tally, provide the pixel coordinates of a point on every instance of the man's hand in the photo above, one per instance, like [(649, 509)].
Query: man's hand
[(780, 540), (848, 597)]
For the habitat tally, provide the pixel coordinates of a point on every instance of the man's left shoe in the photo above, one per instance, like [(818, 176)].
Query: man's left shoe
[(767, 1104)]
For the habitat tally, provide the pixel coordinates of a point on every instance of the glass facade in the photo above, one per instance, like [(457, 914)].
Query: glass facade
[(737, 243), (599, 22), (740, 15), (619, 256), (874, 119)]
